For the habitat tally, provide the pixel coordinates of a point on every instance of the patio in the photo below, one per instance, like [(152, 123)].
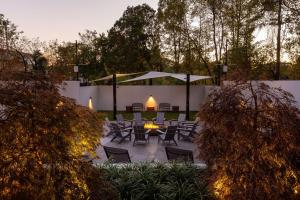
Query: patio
[(149, 152)]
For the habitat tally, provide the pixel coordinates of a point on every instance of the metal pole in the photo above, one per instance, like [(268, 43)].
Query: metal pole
[(187, 110), (115, 96), (219, 74), (76, 50)]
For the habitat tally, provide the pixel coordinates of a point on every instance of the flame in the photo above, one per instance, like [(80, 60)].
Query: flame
[(150, 126)]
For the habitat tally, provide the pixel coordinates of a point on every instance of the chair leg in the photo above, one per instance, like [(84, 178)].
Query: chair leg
[(113, 138), (175, 142)]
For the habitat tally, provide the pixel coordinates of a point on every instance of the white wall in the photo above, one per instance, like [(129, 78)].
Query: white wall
[(290, 86), (102, 96)]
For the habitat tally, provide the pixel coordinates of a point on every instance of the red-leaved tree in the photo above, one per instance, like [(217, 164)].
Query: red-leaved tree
[(251, 142)]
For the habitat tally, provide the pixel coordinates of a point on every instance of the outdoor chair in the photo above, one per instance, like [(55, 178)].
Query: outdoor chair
[(168, 135), (187, 132), (140, 134), (107, 127), (137, 107), (116, 155), (160, 119), (180, 120), (182, 155), (137, 119), (164, 107), (122, 134), (121, 122)]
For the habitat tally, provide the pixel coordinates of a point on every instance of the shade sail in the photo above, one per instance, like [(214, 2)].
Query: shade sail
[(154, 74), (111, 77), (149, 75), (193, 78)]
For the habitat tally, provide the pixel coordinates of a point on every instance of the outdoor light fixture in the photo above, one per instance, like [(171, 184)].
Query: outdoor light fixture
[(76, 69), (90, 105), (225, 68), (151, 103)]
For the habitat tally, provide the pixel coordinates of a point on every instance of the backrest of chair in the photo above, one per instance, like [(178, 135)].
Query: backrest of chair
[(137, 107), (194, 128), (171, 131), (137, 118), (107, 122), (164, 107), (116, 129), (117, 155), (181, 117), (174, 154), (120, 118), (160, 117), (139, 132)]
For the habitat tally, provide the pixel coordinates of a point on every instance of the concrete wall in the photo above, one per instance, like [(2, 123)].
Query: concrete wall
[(291, 86), (102, 96)]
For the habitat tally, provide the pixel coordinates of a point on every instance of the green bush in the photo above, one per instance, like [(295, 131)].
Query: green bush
[(157, 181)]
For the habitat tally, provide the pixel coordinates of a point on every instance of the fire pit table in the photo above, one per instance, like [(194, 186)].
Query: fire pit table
[(153, 128)]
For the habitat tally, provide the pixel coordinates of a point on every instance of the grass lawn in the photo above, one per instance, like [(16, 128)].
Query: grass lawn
[(147, 115)]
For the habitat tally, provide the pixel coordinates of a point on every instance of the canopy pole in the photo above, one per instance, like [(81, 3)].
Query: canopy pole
[(115, 95), (187, 110)]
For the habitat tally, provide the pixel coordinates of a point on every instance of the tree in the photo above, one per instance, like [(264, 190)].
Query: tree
[(130, 41), (171, 15), (251, 142), (43, 136)]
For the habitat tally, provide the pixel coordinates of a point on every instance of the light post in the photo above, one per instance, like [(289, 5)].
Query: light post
[(76, 70)]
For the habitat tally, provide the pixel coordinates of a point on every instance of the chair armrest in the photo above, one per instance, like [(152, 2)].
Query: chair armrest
[(160, 131), (127, 129)]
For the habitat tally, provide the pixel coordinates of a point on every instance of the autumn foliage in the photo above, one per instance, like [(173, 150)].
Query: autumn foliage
[(42, 138), (251, 142)]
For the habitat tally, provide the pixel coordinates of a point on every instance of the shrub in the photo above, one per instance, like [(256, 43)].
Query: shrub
[(250, 142), (157, 181), (42, 138)]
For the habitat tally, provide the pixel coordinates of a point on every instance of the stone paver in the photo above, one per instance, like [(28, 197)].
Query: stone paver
[(151, 151)]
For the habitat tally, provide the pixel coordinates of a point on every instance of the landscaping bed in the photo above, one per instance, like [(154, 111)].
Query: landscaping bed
[(159, 181)]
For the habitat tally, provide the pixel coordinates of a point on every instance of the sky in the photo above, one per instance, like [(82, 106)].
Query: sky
[(64, 19)]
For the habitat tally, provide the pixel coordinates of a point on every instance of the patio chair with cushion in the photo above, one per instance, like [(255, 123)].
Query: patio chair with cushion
[(168, 135), (137, 119), (140, 134), (123, 123), (165, 107), (116, 155), (137, 107), (174, 154), (160, 119), (187, 132), (122, 134)]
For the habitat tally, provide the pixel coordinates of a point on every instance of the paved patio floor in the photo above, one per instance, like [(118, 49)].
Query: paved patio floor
[(151, 151)]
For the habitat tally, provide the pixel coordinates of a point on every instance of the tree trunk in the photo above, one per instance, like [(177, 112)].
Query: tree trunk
[(279, 21), (214, 29)]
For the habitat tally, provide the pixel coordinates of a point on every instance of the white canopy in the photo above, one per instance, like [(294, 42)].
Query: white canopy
[(154, 74), (111, 76)]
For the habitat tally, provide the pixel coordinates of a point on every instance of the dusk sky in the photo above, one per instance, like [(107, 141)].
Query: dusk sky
[(63, 19)]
